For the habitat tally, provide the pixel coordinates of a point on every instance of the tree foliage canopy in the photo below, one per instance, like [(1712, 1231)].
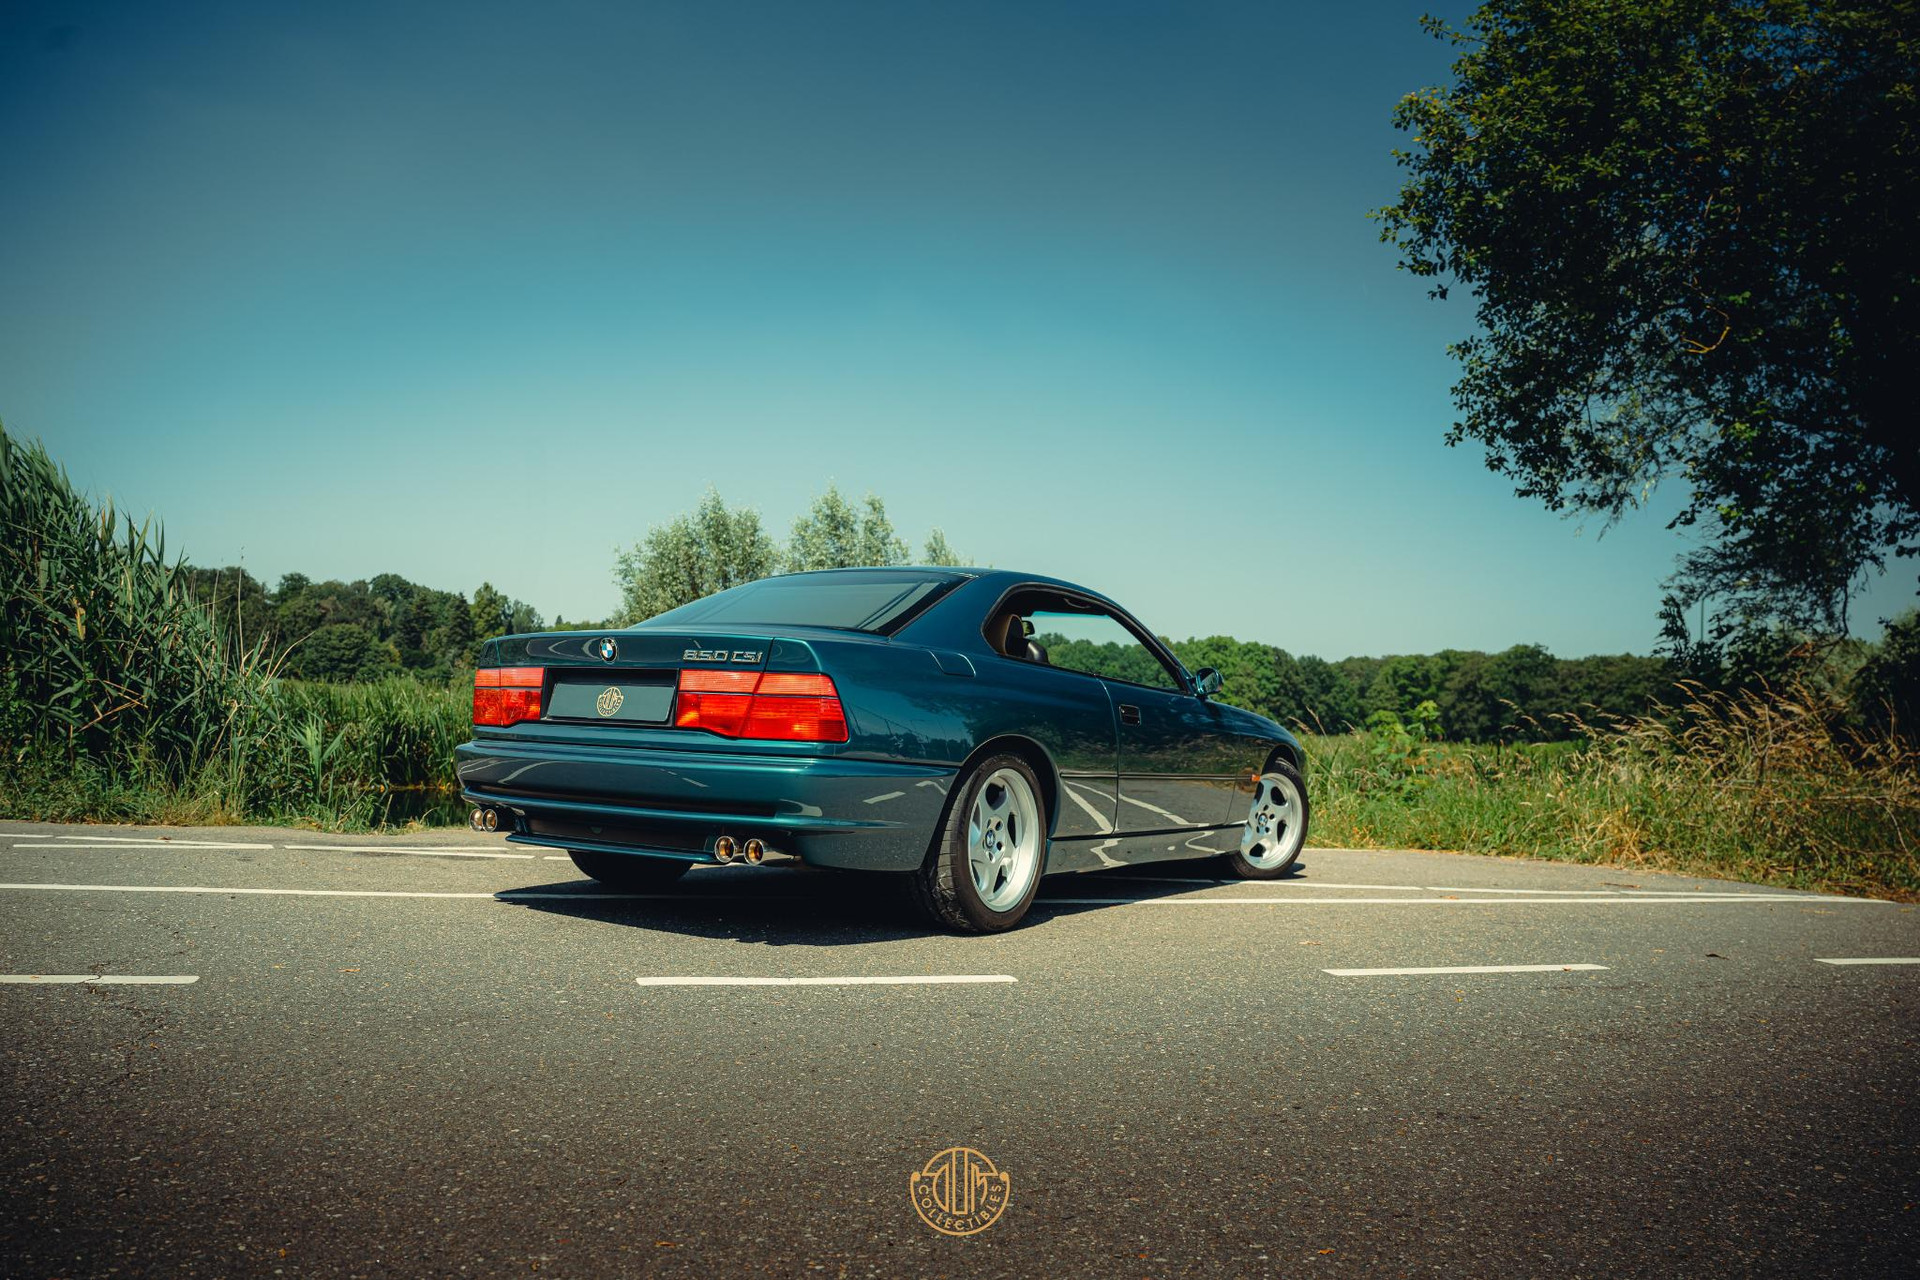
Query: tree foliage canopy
[(693, 555), (717, 546), (1691, 229), (835, 534)]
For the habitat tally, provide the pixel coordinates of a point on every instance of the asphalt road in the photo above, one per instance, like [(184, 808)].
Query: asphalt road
[(396, 1058)]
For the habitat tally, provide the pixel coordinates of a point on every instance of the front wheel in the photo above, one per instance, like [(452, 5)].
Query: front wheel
[(984, 867), (629, 870), (1276, 826)]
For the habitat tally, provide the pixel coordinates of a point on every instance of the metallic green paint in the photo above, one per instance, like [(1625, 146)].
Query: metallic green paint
[(920, 705)]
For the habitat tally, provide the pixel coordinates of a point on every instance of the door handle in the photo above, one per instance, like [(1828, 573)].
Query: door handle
[(1129, 714)]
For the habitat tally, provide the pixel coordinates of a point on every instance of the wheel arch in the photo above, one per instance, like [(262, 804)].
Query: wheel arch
[(1014, 744), (1291, 753)]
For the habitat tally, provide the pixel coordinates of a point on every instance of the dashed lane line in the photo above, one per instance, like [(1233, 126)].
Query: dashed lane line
[(1867, 959), (73, 842), (99, 979), (902, 980), (1465, 968)]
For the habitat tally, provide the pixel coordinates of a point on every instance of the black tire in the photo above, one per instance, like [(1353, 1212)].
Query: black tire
[(629, 870), (943, 889), (1295, 836)]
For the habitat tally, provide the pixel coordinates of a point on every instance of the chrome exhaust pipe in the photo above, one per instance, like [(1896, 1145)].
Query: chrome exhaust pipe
[(723, 849), (755, 851), (491, 818), (475, 821)]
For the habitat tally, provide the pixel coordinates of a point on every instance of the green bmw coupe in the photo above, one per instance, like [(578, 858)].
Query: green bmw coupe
[(965, 731)]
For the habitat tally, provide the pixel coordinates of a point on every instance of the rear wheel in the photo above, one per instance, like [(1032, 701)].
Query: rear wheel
[(629, 870), (984, 867), (1276, 826)]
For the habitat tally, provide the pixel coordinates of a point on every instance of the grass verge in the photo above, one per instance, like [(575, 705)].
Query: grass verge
[(1757, 787)]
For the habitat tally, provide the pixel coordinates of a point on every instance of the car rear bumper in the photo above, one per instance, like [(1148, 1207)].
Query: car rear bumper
[(830, 811)]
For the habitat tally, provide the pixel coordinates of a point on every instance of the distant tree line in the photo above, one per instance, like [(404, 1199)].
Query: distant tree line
[(1521, 693), (361, 630), (364, 630)]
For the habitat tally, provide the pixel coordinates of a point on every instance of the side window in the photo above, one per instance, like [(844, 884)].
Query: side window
[(1100, 646)]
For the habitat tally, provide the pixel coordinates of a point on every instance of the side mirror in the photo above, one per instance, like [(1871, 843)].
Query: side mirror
[(1207, 682)]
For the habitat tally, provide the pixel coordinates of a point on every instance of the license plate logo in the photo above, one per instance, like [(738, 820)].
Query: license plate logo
[(609, 701)]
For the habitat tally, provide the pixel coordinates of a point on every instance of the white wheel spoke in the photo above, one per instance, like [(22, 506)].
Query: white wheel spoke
[(1006, 835), (1273, 834)]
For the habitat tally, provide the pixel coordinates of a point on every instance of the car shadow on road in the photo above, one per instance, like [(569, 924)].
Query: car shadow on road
[(782, 906)]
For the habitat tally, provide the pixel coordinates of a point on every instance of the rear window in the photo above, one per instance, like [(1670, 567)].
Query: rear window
[(877, 600)]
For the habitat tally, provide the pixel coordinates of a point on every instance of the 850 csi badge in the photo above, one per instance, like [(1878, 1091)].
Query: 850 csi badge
[(722, 655)]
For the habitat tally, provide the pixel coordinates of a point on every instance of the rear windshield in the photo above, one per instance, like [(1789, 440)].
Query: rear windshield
[(877, 600)]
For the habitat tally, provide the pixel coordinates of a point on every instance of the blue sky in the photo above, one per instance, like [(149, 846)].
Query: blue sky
[(483, 291)]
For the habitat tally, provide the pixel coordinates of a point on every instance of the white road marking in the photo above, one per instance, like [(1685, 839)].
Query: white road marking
[(1196, 882), (414, 851), (155, 840), (1465, 968), (102, 979), (1616, 893), (74, 842), (891, 795), (417, 851), (1454, 902), (505, 895), (908, 980), (1329, 884), (1868, 960), (513, 895)]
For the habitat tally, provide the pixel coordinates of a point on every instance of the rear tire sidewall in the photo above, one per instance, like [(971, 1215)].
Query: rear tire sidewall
[(951, 869), (1240, 867)]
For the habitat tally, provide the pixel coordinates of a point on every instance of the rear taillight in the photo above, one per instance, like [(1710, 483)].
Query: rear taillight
[(507, 695), (781, 706)]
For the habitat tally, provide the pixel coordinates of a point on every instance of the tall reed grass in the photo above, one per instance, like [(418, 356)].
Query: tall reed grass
[(120, 697)]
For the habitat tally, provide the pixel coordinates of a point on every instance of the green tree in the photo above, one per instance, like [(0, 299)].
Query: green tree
[(1249, 671), (937, 552), (1327, 699), (693, 555), (1887, 685), (342, 651), (834, 534), (488, 612), (1401, 684), (1691, 229)]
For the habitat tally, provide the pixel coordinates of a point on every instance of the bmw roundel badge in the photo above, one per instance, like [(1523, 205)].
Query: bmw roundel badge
[(606, 648)]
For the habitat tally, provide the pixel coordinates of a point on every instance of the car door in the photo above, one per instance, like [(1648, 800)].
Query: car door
[(1172, 779), (1170, 775)]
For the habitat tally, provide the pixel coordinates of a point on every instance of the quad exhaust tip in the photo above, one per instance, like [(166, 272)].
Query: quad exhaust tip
[(755, 851), (723, 849), (484, 820)]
